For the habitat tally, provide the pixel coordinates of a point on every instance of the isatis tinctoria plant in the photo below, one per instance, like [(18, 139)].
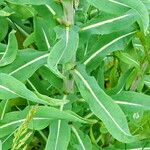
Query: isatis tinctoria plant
[(74, 74)]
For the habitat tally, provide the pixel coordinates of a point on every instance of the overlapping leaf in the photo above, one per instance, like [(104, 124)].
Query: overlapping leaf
[(121, 6), (11, 50), (44, 114), (63, 51), (26, 63), (12, 88), (103, 106), (132, 101), (106, 45)]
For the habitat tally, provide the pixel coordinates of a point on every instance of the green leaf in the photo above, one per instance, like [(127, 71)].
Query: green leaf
[(110, 6), (121, 6), (57, 130), (3, 23), (40, 120), (4, 13), (31, 2), (106, 23), (63, 51), (147, 80), (53, 7), (42, 34), (12, 88), (11, 50), (22, 11), (59, 136), (72, 42), (0, 144), (106, 45), (26, 63), (82, 140), (132, 101), (121, 83), (126, 58), (50, 100), (51, 78), (3, 108), (103, 106), (29, 40), (55, 56)]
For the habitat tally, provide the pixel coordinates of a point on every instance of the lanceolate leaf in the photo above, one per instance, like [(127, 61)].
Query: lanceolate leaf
[(10, 88), (109, 6), (3, 24), (83, 140), (63, 51), (3, 108), (47, 75), (51, 101), (59, 136), (11, 50), (147, 80), (31, 2), (56, 138), (55, 56), (96, 53), (132, 101), (71, 46), (26, 63), (121, 6), (106, 24), (103, 106), (42, 34), (126, 58), (112, 42)]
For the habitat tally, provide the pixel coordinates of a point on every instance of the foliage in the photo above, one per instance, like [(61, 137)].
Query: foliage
[(74, 75)]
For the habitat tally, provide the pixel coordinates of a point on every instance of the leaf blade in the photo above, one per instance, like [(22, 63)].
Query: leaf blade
[(90, 92)]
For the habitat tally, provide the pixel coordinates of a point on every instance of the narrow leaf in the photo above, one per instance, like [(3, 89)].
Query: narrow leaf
[(121, 6), (59, 136), (50, 100), (106, 24), (83, 140), (109, 43), (40, 120), (11, 50), (132, 101), (12, 88), (26, 63), (126, 58), (63, 51)]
